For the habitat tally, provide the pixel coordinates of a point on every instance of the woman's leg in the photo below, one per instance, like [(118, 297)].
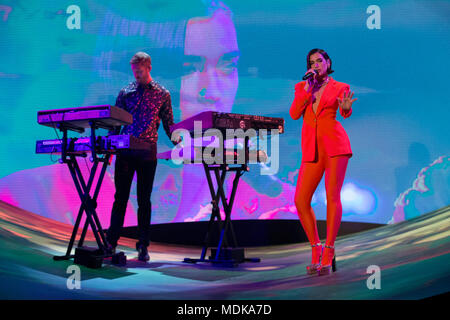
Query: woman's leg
[(309, 177), (335, 169)]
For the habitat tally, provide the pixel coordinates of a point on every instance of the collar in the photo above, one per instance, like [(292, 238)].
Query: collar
[(150, 85)]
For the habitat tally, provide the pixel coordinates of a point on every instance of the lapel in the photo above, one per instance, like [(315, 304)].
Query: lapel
[(327, 92)]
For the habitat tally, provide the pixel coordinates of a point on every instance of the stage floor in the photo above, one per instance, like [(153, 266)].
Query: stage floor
[(413, 257)]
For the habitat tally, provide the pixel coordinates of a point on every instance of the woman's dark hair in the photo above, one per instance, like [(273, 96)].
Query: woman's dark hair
[(324, 54)]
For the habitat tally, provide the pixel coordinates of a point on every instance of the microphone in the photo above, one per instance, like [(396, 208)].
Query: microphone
[(309, 75)]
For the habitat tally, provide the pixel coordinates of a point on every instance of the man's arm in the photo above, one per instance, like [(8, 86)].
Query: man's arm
[(120, 103), (166, 115)]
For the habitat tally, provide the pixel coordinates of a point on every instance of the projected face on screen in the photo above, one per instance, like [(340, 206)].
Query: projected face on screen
[(210, 75), (195, 53)]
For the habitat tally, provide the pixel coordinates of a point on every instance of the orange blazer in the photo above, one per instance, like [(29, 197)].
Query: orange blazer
[(323, 123)]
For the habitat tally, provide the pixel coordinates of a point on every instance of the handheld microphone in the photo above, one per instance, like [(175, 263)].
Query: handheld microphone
[(309, 75)]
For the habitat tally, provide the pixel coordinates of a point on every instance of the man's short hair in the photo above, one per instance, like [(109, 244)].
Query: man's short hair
[(141, 58)]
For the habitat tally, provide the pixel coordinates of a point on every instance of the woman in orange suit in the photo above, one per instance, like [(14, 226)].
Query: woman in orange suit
[(325, 149)]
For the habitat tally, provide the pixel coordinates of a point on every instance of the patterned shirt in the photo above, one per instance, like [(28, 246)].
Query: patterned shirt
[(149, 104)]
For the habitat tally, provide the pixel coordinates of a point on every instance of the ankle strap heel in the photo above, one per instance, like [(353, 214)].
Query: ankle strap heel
[(327, 269), (313, 267)]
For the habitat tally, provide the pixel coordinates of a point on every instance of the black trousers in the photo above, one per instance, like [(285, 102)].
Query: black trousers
[(126, 166)]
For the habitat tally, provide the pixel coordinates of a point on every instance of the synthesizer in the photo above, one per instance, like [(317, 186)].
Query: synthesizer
[(103, 144), (223, 121), (105, 116)]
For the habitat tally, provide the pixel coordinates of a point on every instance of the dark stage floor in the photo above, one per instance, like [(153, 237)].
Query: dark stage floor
[(413, 257)]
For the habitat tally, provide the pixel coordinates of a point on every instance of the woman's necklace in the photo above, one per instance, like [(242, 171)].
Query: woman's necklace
[(322, 84)]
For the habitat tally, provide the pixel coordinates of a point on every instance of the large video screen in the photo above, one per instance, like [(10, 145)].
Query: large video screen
[(240, 57)]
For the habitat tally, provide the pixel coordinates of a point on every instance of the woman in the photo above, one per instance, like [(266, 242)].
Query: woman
[(325, 148)]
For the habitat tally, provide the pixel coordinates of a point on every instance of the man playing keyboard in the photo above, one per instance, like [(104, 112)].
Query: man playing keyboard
[(149, 103)]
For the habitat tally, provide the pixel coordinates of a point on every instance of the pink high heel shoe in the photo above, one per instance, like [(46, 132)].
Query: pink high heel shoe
[(327, 269), (313, 267)]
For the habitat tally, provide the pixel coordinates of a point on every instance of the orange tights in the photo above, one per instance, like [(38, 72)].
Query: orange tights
[(308, 178)]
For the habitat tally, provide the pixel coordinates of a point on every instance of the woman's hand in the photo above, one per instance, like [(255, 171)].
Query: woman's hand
[(346, 102), (310, 81)]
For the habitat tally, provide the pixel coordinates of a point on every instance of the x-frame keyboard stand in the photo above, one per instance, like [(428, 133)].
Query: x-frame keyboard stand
[(90, 257), (227, 253)]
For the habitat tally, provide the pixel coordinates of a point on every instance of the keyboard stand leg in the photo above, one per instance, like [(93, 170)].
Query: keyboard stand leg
[(88, 205), (225, 227)]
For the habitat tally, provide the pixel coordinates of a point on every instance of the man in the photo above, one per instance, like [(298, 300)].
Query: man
[(149, 103)]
